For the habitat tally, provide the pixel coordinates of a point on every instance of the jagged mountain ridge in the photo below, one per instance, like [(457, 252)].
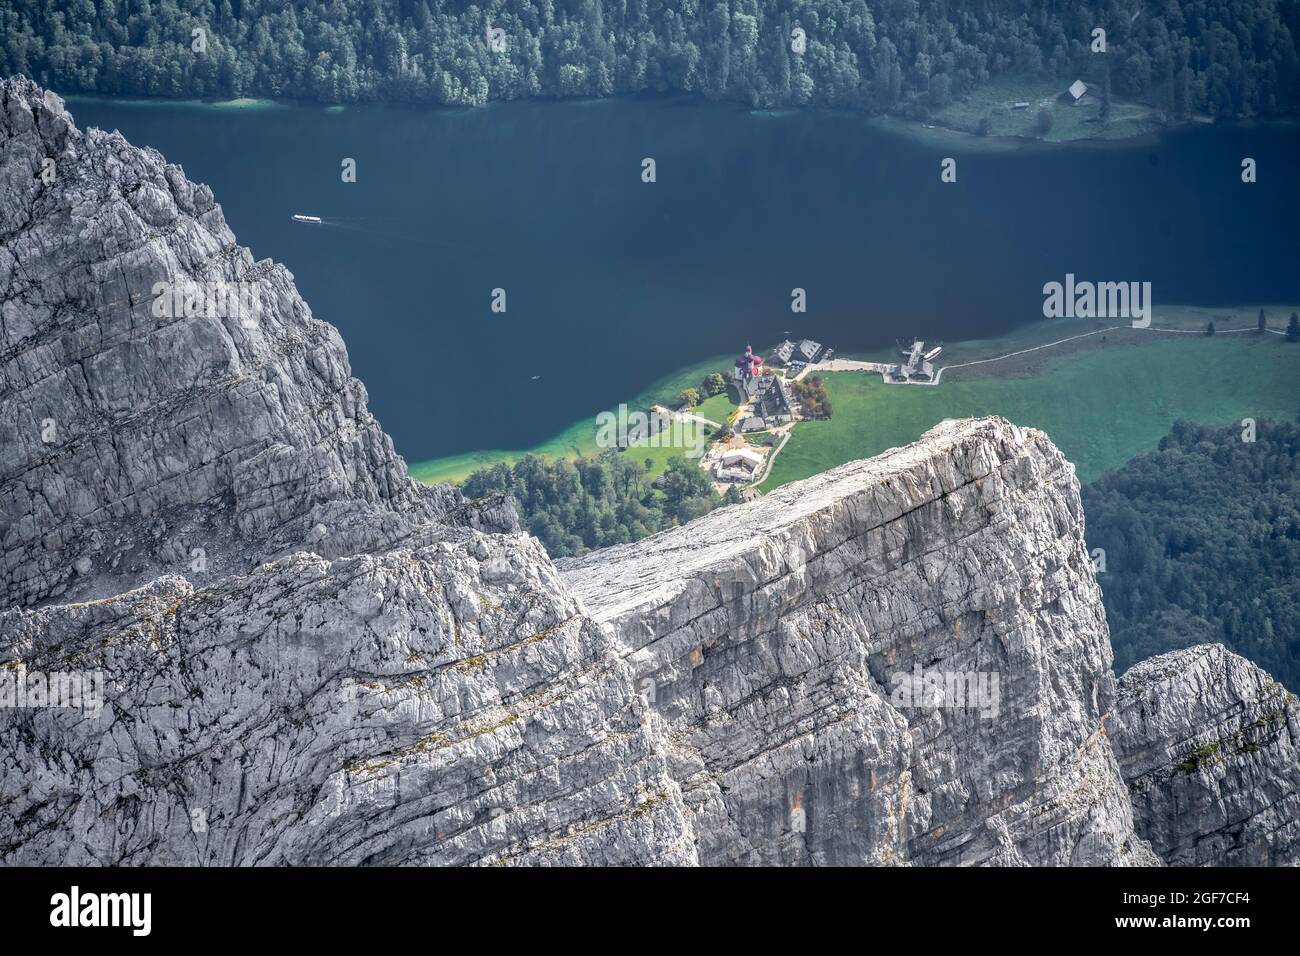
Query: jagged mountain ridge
[(962, 553), (131, 439), (370, 672)]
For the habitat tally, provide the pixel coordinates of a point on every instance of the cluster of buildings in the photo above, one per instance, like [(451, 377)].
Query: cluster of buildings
[(917, 368), (766, 403), (768, 395), (790, 355), (739, 464)]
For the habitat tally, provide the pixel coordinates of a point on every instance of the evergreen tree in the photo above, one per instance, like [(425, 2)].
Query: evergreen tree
[(1191, 560), (575, 505), (873, 55)]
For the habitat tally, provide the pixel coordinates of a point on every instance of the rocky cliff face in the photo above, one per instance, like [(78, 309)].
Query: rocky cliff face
[(307, 658), (134, 443), (1210, 746), (788, 644)]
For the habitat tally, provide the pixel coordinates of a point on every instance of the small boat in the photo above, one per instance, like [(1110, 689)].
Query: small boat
[(300, 218), (536, 378)]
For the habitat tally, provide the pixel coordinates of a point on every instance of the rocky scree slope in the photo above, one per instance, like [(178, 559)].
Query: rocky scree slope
[(366, 671)]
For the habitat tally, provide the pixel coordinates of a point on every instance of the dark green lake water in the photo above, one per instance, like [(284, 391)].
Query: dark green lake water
[(612, 283)]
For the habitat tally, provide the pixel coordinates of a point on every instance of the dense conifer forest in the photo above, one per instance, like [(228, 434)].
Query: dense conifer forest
[(1202, 544), (576, 505), (907, 57)]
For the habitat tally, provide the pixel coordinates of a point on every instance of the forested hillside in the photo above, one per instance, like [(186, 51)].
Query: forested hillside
[(1225, 57), (1202, 543), (575, 505)]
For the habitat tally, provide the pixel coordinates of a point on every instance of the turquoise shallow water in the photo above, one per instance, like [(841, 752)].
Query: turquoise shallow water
[(611, 282)]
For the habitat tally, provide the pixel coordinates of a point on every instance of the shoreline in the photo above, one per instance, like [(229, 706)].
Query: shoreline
[(578, 438), (937, 128), (246, 103), (1022, 353), (964, 359)]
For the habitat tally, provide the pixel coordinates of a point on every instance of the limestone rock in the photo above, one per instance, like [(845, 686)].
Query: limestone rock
[(1210, 746), (133, 439), (391, 709), (777, 635)]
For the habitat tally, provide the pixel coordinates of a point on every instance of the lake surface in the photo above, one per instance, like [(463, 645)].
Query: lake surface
[(612, 283)]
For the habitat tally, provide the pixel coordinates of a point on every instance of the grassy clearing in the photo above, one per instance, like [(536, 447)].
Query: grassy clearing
[(1100, 406), (718, 408), (659, 458), (1069, 122)]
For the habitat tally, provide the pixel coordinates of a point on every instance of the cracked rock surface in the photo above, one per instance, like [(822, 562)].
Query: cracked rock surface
[(363, 670), (776, 635), (133, 445), (1210, 746)]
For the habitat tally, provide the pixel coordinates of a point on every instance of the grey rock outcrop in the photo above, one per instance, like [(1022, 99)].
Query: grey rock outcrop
[(445, 704), (781, 638), (133, 443), (1210, 747), (412, 685), (901, 661)]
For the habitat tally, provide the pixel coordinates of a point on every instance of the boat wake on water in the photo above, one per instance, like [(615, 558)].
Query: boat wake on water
[(357, 224)]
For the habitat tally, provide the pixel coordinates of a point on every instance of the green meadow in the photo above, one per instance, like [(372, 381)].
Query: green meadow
[(718, 408), (1101, 407), (995, 100), (1103, 398)]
